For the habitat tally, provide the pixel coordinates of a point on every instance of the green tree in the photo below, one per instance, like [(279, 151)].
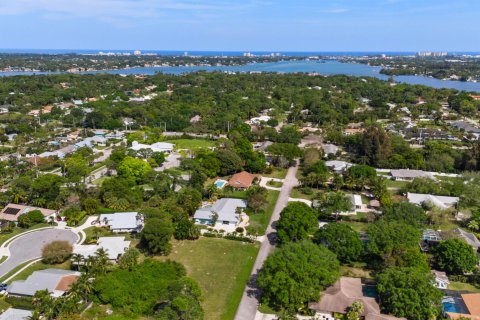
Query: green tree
[(257, 198), (56, 252), (133, 169), (409, 293), (129, 259), (156, 235), (455, 256), (342, 240), (297, 222), (185, 229), (405, 212), (295, 274), (334, 203)]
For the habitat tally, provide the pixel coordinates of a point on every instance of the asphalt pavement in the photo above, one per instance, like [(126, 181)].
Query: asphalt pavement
[(29, 246), (251, 296)]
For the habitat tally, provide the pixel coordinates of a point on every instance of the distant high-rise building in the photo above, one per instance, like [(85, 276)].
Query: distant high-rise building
[(137, 53), (431, 54)]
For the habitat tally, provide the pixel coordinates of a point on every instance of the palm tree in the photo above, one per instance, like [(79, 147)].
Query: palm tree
[(473, 225), (77, 260)]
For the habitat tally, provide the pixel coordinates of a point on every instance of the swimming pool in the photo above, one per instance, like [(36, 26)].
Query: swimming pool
[(450, 307), (220, 183)]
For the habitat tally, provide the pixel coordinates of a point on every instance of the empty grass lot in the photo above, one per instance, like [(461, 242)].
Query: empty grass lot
[(191, 144), (221, 267), (260, 221)]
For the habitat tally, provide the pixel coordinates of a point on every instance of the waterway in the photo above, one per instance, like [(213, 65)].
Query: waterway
[(330, 67)]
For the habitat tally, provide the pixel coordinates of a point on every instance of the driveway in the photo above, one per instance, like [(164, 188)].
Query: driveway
[(29, 246), (251, 296)]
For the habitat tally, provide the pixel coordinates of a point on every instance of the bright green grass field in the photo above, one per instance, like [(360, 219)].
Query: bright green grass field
[(221, 267), (191, 143), (260, 220)]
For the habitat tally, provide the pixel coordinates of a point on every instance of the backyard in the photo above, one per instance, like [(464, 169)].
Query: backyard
[(259, 221), (191, 144), (221, 267)]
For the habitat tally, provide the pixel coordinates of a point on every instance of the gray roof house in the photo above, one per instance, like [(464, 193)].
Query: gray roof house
[(441, 202), (122, 221), (225, 208), (469, 238), (16, 314), (407, 174), (56, 281)]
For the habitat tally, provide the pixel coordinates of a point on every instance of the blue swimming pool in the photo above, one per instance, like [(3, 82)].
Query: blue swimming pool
[(450, 307), (220, 184)]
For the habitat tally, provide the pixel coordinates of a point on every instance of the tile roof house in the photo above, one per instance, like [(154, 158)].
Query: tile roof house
[(226, 209), (472, 303), (340, 297), (56, 281), (441, 202), (12, 211), (122, 221), (114, 246), (243, 180)]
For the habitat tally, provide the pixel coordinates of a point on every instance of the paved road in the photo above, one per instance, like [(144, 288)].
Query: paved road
[(30, 246), (250, 299)]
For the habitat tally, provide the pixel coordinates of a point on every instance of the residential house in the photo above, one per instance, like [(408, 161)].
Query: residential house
[(258, 120), (338, 166), (243, 180), (16, 314), (227, 211), (195, 119), (441, 279), (470, 307), (12, 211), (155, 147), (469, 238), (3, 110), (338, 299), (122, 221), (408, 175), (56, 281), (353, 131), (441, 202), (466, 127), (114, 246), (330, 149)]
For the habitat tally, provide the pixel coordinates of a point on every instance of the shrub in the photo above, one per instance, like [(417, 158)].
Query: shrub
[(56, 252), (24, 303), (239, 229)]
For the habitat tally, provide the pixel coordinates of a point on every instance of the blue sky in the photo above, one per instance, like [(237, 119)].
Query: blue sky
[(242, 25)]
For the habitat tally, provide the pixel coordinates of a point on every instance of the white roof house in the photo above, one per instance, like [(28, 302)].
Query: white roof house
[(258, 120), (122, 221), (441, 279), (338, 166), (16, 314), (329, 149), (156, 147), (225, 208), (441, 202), (115, 247)]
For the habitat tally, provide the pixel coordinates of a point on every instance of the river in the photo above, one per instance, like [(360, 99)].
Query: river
[(331, 67)]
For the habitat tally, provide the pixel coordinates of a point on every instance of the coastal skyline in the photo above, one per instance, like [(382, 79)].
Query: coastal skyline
[(253, 25)]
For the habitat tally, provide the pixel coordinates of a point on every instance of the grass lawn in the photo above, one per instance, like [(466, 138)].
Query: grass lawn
[(3, 305), (3, 258), (357, 226), (99, 181), (191, 144), (275, 184), (278, 173), (221, 267), (5, 236), (298, 194), (355, 272), (395, 184), (40, 266), (460, 286), (239, 194), (260, 221)]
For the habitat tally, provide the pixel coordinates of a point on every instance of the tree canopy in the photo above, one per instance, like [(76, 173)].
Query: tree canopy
[(297, 222)]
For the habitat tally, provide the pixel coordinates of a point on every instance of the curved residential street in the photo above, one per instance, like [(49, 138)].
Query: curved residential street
[(250, 300), (29, 246)]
